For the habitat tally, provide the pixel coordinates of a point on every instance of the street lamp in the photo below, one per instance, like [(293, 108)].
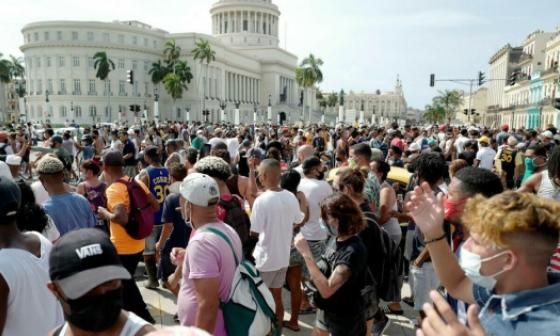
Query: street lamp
[(269, 109), (188, 109), (255, 113), (223, 106), (236, 117)]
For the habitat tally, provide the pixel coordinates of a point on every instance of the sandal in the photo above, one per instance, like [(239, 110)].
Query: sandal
[(389, 311), (286, 324)]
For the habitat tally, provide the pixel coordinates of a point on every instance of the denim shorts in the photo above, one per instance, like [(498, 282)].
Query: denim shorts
[(151, 240)]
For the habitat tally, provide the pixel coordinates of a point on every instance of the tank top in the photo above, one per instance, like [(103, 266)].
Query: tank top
[(131, 327), (159, 187), (392, 226), (548, 189), (96, 196)]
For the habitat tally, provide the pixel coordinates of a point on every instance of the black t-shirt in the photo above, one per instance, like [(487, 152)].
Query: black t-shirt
[(129, 149), (181, 231), (372, 238), (347, 300), (468, 156)]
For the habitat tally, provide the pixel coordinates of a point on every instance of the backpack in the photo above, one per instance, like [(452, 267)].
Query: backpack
[(250, 308), (237, 218), (141, 217)]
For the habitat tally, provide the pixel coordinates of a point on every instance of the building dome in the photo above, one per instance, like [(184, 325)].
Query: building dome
[(246, 23)]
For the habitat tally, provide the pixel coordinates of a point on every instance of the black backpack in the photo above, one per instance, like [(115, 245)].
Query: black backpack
[(237, 218)]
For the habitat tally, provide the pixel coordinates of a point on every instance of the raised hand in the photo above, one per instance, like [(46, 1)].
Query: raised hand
[(427, 211)]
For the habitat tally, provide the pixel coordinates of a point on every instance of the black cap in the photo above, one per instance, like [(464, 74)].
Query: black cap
[(113, 159), (10, 195), (82, 260)]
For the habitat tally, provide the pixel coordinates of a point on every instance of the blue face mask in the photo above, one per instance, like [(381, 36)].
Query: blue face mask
[(471, 263), (529, 164)]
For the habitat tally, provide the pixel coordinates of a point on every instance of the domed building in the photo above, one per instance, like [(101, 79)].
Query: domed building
[(250, 71)]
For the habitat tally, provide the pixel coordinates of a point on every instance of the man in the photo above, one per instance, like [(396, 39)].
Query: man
[(461, 140), (485, 155), (394, 157), (5, 148), (63, 155), (174, 233), (303, 153), (502, 137), (360, 156), (26, 306), (210, 261), (172, 157), (69, 210), (273, 217), (502, 266), (509, 163), (199, 140), (86, 277), (117, 213), (129, 154), (218, 134), (98, 142), (156, 178)]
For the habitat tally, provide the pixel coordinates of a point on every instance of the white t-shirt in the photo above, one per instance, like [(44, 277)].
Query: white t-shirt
[(5, 170), (299, 169), (315, 191), (273, 217), (41, 195), (27, 277), (460, 144), (486, 157), (214, 141), (233, 148)]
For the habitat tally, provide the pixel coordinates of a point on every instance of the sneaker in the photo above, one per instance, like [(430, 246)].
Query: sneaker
[(151, 285), (379, 327)]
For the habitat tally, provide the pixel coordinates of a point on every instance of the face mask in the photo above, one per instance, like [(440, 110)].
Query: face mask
[(471, 264), (453, 208), (321, 176), (529, 164), (96, 313)]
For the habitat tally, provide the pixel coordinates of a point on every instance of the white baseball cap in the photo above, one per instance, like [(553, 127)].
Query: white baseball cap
[(414, 147), (199, 189), (548, 134), (13, 160)]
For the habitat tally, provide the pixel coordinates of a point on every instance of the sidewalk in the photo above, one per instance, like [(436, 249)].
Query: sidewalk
[(162, 306)]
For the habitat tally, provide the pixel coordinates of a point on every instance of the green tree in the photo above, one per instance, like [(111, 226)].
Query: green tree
[(434, 113), (6, 71), (175, 82), (449, 101), (158, 72), (203, 53), (307, 75), (171, 52), (18, 70), (104, 65)]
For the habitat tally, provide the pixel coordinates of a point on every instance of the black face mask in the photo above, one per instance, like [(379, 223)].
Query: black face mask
[(96, 313), (321, 176)]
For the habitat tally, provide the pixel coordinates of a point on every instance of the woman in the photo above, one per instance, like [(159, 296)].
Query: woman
[(340, 274), (32, 217), (92, 188), (546, 183), (290, 181), (387, 218)]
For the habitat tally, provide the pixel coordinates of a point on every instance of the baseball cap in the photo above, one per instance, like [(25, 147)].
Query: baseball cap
[(82, 260), (505, 127), (13, 160), (56, 138), (548, 134), (256, 152), (414, 147), (10, 195), (49, 165), (484, 139), (113, 159), (200, 189)]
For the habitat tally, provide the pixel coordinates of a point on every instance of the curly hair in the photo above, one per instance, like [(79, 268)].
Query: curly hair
[(213, 166), (499, 218), (340, 206)]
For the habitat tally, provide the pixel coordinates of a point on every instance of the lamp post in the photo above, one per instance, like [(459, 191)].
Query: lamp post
[(71, 107), (156, 104), (255, 113), (47, 104), (269, 109), (188, 109), (223, 105), (236, 117)]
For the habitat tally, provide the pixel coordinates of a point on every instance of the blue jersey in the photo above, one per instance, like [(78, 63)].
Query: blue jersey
[(159, 183)]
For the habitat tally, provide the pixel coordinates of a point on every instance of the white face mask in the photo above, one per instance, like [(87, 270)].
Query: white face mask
[(471, 264)]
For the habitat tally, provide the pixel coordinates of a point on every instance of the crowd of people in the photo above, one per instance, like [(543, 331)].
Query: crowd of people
[(472, 227)]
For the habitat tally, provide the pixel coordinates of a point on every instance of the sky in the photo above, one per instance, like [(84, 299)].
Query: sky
[(364, 44)]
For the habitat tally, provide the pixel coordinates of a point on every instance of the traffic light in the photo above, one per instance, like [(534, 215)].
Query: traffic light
[(130, 76), (513, 77), (137, 108), (557, 103), (432, 80), (481, 78), (465, 111)]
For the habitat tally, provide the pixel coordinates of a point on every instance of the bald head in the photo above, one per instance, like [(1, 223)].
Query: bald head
[(305, 152), (270, 173)]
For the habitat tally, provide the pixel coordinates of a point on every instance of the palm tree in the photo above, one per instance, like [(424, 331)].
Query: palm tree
[(332, 100), (434, 113), (203, 52), (449, 101), (6, 71), (171, 52), (308, 74), (175, 82), (158, 72), (104, 65), (18, 71)]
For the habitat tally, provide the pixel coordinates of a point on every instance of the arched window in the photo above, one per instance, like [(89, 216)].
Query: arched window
[(92, 111)]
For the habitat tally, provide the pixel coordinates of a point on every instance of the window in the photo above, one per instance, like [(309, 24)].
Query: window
[(121, 64), (146, 65), (48, 62), (92, 111), (178, 113), (77, 87), (38, 62), (106, 37), (108, 86), (62, 87), (145, 42), (46, 36), (155, 44), (134, 65), (245, 25), (122, 91), (90, 62), (59, 35), (134, 40), (60, 61), (74, 36), (92, 87), (76, 61), (50, 86), (35, 37), (77, 112), (146, 88), (135, 88), (90, 36), (63, 112), (107, 109), (39, 86), (121, 39), (28, 38)]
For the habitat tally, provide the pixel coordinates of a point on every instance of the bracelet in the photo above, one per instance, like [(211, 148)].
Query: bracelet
[(426, 242)]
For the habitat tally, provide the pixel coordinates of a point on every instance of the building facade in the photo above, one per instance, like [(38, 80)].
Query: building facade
[(476, 104), (250, 72)]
